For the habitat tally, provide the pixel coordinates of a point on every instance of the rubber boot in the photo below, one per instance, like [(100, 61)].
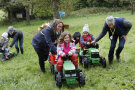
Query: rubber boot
[(17, 51), (110, 61), (21, 50), (42, 66)]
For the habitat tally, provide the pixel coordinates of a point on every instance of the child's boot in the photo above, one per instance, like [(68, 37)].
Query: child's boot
[(6, 56)]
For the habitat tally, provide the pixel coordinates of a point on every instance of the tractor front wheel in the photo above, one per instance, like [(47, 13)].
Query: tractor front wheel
[(59, 80), (103, 62), (82, 79)]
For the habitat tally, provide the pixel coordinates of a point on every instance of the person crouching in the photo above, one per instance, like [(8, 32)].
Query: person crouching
[(4, 45)]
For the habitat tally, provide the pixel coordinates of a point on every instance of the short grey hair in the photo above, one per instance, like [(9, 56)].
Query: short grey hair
[(110, 20), (10, 28)]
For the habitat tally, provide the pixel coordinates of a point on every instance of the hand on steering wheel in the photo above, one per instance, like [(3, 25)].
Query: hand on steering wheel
[(70, 53), (93, 42), (63, 55), (88, 43)]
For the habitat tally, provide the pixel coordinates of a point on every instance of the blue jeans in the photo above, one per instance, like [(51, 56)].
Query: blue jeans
[(6, 51), (20, 44), (113, 45)]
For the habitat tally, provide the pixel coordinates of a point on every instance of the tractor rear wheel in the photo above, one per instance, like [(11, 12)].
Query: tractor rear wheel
[(59, 80), (55, 74), (80, 59), (85, 62), (52, 69), (81, 79)]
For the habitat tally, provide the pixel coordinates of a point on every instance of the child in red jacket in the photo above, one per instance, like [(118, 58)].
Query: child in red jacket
[(87, 38)]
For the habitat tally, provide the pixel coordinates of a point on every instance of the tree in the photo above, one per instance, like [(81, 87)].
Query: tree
[(42, 9), (26, 4), (63, 4), (55, 9), (27, 16), (132, 6), (10, 6), (6, 6)]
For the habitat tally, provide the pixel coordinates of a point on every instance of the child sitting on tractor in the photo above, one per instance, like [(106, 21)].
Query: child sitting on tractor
[(87, 38), (66, 47), (76, 38), (4, 45)]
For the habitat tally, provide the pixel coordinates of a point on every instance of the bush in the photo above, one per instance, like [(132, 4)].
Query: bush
[(43, 9), (100, 3), (67, 3), (94, 10), (80, 4)]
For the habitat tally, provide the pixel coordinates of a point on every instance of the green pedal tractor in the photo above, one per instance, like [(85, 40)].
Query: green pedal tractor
[(10, 55), (69, 74), (91, 56)]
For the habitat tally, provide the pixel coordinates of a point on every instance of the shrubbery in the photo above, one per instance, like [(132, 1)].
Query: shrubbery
[(100, 3), (43, 9)]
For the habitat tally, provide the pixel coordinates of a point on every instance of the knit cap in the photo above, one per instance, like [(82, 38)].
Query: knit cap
[(86, 28), (5, 35)]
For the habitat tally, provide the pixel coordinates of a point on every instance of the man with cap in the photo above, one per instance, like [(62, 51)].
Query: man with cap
[(87, 38), (17, 36), (117, 27)]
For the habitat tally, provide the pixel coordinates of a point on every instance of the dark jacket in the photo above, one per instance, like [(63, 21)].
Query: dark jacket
[(45, 38), (16, 36), (122, 27)]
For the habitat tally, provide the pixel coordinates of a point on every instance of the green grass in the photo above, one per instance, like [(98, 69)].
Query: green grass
[(23, 72)]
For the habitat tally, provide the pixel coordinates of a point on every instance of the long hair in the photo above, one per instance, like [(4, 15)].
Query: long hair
[(43, 26), (61, 38), (56, 22)]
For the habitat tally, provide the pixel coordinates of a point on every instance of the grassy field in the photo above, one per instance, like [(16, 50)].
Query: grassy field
[(23, 72)]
